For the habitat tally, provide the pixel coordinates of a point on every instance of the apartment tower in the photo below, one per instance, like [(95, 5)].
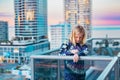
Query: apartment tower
[(78, 12), (30, 19)]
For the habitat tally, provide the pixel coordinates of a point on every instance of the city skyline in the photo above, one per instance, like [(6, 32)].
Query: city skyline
[(103, 12)]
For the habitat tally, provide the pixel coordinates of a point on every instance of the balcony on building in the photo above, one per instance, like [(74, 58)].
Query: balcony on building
[(102, 62)]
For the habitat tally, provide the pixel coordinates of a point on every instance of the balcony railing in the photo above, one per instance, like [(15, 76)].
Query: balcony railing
[(104, 46), (51, 67), (111, 72)]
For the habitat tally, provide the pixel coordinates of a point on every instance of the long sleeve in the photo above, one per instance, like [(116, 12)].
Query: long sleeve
[(70, 66), (65, 49), (84, 50)]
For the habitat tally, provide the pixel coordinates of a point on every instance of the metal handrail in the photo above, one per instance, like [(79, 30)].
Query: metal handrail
[(61, 57), (107, 70), (107, 58), (102, 38)]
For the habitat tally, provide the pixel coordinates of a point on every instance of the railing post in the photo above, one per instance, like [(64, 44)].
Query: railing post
[(32, 69), (58, 77), (118, 66), (91, 46)]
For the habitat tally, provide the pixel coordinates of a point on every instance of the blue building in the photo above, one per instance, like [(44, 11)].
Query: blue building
[(30, 19), (3, 31), (20, 53)]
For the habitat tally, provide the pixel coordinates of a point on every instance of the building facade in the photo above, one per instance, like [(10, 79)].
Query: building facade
[(30, 19), (3, 31), (20, 53), (59, 34), (78, 12)]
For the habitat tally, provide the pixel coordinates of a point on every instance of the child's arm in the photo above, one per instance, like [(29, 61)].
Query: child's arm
[(65, 49), (84, 51)]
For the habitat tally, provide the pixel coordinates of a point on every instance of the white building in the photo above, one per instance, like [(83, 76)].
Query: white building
[(58, 34)]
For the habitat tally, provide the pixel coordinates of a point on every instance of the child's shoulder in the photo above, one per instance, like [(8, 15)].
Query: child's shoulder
[(84, 45), (66, 44)]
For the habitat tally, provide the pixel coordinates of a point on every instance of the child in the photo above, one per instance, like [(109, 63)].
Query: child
[(74, 69)]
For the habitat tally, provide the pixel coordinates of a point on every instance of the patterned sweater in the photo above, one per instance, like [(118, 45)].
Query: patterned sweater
[(70, 66)]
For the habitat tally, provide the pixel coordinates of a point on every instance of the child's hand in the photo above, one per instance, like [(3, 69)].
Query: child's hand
[(74, 51), (85, 51), (75, 58)]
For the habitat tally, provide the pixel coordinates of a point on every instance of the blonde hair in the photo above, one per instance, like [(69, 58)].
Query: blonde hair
[(76, 29)]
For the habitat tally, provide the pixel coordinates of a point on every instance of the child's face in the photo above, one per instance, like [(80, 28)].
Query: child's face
[(78, 37)]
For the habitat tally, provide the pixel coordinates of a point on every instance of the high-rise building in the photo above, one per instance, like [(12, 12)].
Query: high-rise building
[(3, 31), (30, 19), (59, 34), (78, 12), (30, 31)]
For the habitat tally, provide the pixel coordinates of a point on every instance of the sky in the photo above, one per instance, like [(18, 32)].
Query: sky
[(104, 12)]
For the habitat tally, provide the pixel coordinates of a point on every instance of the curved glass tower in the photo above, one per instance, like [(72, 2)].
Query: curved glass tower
[(30, 19)]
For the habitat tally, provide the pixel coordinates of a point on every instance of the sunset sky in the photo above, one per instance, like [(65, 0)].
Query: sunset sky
[(104, 12)]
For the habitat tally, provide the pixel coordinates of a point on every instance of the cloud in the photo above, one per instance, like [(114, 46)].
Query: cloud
[(110, 17), (107, 16), (6, 15), (106, 19), (105, 22)]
